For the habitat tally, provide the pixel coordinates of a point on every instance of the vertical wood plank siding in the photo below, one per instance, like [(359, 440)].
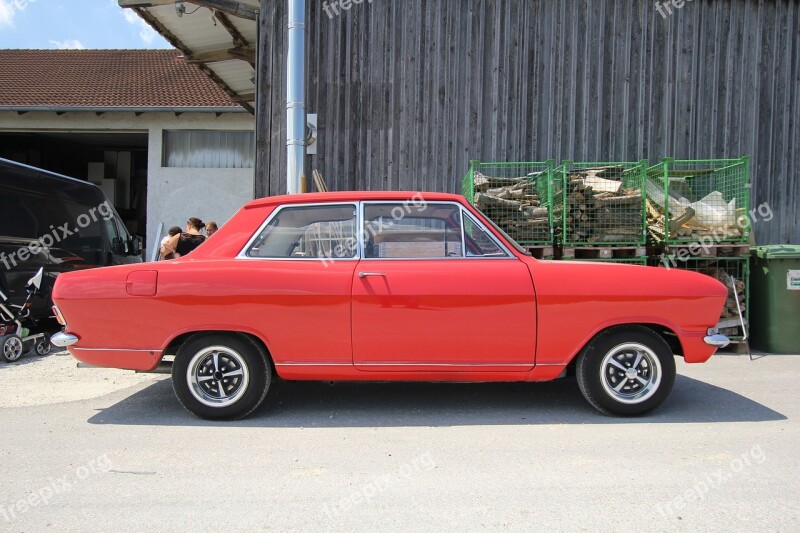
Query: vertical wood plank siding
[(409, 91)]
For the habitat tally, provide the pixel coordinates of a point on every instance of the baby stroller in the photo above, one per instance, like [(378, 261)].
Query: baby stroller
[(15, 339)]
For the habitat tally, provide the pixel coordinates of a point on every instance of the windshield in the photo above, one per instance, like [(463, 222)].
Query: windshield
[(85, 228)]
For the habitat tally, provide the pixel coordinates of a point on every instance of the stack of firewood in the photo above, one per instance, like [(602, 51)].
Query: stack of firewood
[(601, 210), (514, 205), (730, 310)]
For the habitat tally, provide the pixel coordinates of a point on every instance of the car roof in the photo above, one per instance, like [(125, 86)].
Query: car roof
[(42, 174), (354, 196)]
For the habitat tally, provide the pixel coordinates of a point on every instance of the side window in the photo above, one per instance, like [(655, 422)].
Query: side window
[(478, 242), (404, 231), (325, 231)]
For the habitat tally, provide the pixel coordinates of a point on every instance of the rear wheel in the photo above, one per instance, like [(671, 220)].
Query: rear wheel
[(43, 346), (11, 348), (220, 377), (626, 371)]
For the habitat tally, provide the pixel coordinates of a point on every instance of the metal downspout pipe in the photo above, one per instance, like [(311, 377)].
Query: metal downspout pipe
[(295, 90)]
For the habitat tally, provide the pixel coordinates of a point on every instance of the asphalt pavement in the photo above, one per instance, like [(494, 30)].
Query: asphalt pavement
[(721, 454)]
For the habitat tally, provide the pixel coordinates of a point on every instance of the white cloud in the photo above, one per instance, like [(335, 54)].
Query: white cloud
[(9, 8), (146, 33), (6, 13), (68, 44)]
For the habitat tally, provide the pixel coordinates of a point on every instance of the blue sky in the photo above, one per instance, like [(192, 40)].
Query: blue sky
[(73, 24)]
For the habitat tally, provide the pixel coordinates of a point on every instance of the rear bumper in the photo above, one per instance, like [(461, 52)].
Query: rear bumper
[(63, 339), (142, 360)]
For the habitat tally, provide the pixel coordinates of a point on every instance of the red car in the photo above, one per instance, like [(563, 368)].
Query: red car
[(385, 286)]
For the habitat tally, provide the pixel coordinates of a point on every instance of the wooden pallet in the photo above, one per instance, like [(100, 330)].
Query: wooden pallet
[(541, 252), (697, 249), (603, 252)]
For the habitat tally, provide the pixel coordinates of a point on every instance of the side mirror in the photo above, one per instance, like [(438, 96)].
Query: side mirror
[(36, 281)]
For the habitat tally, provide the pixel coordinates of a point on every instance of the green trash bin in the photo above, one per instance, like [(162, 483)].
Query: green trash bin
[(775, 299)]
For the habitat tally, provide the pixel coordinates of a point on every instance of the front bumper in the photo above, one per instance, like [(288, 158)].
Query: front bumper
[(717, 340)]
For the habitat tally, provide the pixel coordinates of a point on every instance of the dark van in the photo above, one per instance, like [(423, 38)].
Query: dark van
[(56, 222)]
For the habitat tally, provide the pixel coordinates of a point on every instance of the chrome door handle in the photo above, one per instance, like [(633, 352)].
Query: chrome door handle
[(365, 274)]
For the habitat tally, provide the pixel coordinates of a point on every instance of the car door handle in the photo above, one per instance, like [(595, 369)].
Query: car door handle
[(365, 274)]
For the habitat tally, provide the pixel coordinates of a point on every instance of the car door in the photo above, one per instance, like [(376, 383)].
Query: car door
[(299, 271), (425, 297)]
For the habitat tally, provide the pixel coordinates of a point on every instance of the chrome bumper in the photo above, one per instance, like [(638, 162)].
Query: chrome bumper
[(63, 340), (717, 340)]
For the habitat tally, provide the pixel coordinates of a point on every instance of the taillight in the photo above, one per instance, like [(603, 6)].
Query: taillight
[(59, 316)]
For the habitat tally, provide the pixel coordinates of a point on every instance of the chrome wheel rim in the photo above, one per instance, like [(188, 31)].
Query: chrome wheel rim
[(630, 373), (12, 348), (218, 376)]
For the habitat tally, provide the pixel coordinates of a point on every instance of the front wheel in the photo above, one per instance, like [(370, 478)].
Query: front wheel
[(220, 377), (626, 371)]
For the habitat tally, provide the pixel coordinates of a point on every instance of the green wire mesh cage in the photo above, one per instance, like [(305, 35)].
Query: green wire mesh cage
[(734, 273), (600, 203), (698, 200), (517, 196)]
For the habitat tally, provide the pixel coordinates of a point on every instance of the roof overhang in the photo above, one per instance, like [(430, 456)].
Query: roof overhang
[(219, 36), (123, 109)]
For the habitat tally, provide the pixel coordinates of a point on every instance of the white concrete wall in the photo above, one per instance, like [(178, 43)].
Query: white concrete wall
[(173, 194)]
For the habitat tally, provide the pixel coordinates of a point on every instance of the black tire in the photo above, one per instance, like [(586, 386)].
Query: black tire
[(610, 382), (228, 386)]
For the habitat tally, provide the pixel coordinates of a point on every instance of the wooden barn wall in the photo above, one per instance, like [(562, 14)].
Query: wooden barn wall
[(407, 92)]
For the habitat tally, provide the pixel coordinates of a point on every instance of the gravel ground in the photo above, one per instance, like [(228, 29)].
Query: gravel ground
[(719, 455), (55, 378)]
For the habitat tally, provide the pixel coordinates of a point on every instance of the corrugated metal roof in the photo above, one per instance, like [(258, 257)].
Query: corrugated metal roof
[(201, 30)]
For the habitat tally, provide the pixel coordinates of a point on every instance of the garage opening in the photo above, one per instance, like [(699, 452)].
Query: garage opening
[(117, 162)]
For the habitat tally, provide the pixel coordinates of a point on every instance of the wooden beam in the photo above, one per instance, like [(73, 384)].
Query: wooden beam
[(174, 41), (230, 54), (246, 97), (231, 7), (238, 39)]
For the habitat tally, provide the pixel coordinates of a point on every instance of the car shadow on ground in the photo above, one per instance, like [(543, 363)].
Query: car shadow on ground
[(357, 404)]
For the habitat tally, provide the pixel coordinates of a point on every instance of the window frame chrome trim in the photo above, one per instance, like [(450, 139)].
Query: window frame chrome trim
[(243, 252), (360, 206), (490, 234), (462, 210)]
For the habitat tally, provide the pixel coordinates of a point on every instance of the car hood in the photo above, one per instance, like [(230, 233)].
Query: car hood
[(621, 280)]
